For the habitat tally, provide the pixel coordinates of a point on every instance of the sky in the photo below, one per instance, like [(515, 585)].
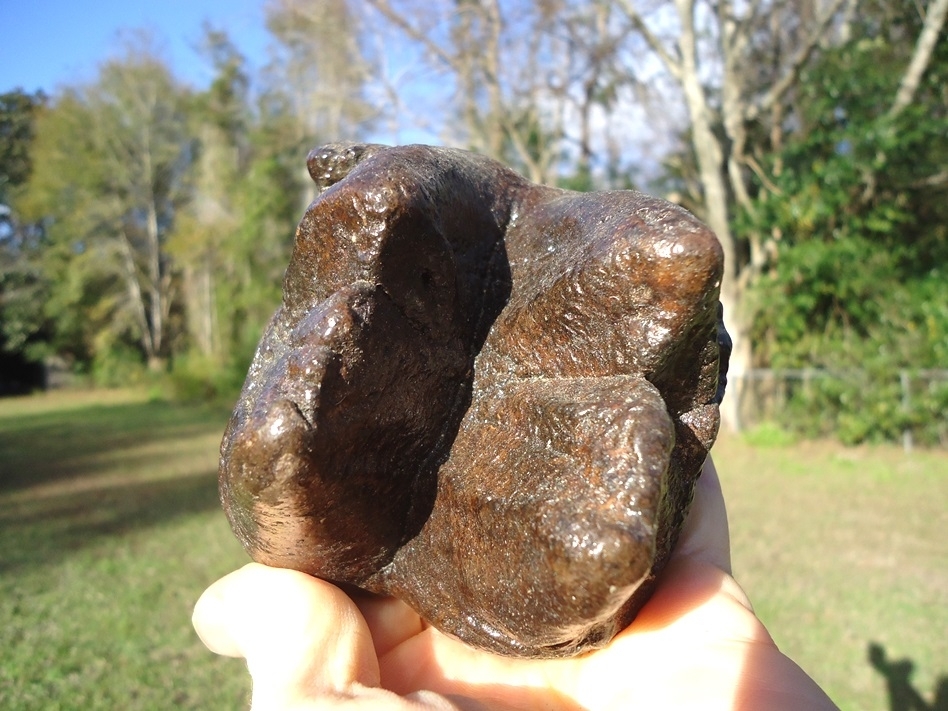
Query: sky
[(49, 44), (46, 44)]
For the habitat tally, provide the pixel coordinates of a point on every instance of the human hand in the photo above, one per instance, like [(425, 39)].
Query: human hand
[(695, 645)]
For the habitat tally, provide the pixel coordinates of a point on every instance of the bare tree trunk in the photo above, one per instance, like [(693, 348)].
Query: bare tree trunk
[(682, 64), (722, 160), (135, 294), (710, 156), (490, 11), (156, 295), (199, 297)]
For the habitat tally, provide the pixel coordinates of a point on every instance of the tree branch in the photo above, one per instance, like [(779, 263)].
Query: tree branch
[(927, 39), (796, 65), (383, 7), (672, 63), (752, 163), (932, 181), (743, 27)]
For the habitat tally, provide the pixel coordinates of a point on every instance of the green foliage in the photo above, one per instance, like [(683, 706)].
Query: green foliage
[(109, 172), (158, 220), (120, 365), (581, 180), (22, 287), (197, 378), (24, 328), (856, 208), (233, 236), (161, 221), (874, 404), (17, 129)]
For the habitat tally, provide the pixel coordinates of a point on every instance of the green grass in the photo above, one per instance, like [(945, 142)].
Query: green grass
[(110, 529), (840, 549)]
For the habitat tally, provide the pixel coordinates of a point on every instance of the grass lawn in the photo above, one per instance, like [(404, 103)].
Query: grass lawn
[(110, 529), (843, 551)]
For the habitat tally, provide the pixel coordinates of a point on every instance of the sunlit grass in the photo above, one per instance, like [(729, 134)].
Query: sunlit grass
[(110, 528), (840, 549)]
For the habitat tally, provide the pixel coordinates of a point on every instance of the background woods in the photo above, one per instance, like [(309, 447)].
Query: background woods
[(145, 223)]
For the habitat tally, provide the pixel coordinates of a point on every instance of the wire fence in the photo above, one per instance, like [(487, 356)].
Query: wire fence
[(906, 405)]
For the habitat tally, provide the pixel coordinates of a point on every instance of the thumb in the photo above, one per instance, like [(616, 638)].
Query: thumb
[(302, 637)]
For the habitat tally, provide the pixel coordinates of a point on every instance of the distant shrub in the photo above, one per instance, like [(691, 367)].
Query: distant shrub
[(769, 434), (870, 407), (196, 378), (119, 365)]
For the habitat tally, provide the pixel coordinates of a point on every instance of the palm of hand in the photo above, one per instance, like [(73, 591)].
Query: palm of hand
[(695, 645)]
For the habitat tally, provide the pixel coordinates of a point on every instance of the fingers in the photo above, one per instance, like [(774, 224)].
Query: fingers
[(705, 534), (390, 621), (306, 643), (301, 637)]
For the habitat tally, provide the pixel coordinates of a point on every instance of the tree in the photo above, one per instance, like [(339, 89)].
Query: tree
[(738, 67), (22, 288), (318, 69), (594, 79), (861, 182), (313, 89), (927, 38), (110, 169), (18, 111), (219, 121), (232, 239), (524, 78)]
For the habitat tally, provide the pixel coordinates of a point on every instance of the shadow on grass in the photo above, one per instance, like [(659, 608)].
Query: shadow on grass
[(903, 696), (47, 447), (43, 530), (70, 478)]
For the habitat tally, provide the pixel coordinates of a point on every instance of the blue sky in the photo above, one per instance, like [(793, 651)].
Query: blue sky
[(49, 43)]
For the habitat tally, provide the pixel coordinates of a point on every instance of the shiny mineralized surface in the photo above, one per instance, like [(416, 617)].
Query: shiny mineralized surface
[(486, 397)]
